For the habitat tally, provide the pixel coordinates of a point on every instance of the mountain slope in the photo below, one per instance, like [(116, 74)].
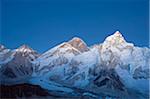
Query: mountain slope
[(58, 58), (102, 67), (5, 55), (113, 68), (20, 67)]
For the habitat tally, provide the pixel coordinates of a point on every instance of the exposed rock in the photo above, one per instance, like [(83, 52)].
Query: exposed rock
[(110, 79), (79, 44)]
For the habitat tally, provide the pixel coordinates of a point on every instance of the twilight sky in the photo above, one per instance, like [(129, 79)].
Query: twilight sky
[(42, 24)]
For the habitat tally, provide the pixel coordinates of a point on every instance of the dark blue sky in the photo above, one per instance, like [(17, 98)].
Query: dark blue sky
[(42, 24)]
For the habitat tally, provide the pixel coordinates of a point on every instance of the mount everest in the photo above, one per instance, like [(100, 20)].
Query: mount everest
[(113, 69)]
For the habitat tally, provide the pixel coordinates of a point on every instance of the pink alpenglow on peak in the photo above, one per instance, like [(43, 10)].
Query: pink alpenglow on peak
[(78, 44), (116, 40)]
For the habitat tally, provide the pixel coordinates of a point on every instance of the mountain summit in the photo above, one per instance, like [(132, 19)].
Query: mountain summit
[(1, 47), (78, 44), (25, 48), (115, 39)]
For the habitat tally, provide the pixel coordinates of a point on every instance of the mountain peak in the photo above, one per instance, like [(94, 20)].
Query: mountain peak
[(76, 38), (79, 44), (2, 46), (24, 48), (115, 39), (117, 33)]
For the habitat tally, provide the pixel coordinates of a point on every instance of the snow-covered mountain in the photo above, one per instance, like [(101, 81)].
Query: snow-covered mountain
[(113, 68), (18, 66), (5, 55), (58, 58)]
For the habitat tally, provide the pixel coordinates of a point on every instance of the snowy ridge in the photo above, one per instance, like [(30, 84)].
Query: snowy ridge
[(19, 67), (113, 68), (84, 67), (5, 55), (24, 48), (57, 55)]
